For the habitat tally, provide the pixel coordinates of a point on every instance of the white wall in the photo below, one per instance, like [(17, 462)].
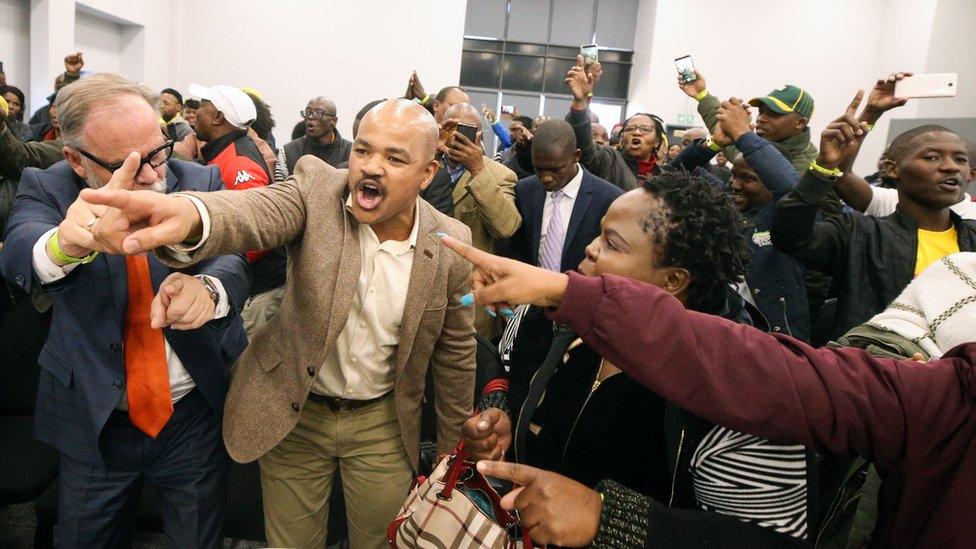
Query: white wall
[(100, 40), (14, 42), (952, 48), (59, 27), (830, 48), (292, 50)]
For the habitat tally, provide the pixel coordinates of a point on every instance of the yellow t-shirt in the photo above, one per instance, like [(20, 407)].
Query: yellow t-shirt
[(933, 246)]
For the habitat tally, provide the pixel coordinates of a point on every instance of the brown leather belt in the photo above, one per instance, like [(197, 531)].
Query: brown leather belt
[(342, 405)]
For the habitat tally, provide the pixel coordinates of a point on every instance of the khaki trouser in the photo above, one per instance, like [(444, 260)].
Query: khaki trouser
[(296, 476), (259, 309)]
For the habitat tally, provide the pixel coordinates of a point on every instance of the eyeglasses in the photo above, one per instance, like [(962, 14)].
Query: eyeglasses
[(317, 114), (156, 158), (643, 129)]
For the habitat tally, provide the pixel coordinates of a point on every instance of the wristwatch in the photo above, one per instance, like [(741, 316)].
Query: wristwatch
[(211, 288)]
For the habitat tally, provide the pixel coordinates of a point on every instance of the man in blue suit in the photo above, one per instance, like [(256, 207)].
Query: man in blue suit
[(562, 205), (136, 366)]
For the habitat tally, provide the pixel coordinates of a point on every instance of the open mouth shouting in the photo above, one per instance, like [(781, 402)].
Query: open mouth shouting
[(952, 184), (369, 194)]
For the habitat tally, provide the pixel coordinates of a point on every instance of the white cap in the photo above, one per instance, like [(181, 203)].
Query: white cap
[(236, 105)]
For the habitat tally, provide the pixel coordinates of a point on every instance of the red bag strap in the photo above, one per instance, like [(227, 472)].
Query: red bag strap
[(456, 462)]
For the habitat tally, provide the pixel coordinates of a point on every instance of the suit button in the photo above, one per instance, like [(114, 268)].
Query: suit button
[(117, 384), (311, 371), (19, 279), (777, 329), (295, 406), (116, 347), (755, 291)]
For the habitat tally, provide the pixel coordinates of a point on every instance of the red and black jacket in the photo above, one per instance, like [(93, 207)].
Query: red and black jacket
[(242, 167)]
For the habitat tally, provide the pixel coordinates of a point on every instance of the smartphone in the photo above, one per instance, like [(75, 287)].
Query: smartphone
[(589, 53), (508, 109), (686, 69), (469, 131), (927, 85)]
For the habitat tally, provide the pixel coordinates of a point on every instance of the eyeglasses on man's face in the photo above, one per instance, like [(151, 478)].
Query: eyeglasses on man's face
[(156, 158), (315, 114)]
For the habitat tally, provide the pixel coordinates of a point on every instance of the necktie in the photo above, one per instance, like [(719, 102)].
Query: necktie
[(146, 372), (552, 251)]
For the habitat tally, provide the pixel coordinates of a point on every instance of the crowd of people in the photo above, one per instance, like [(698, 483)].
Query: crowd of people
[(730, 341)]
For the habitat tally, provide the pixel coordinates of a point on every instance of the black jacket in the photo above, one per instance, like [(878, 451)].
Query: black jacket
[(587, 430), (334, 153), (440, 192), (871, 259), (775, 278), (592, 201), (604, 161)]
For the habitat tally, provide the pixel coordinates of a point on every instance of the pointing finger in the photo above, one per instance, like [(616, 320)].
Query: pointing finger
[(515, 472), (124, 177), (473, 255), (855, 103)]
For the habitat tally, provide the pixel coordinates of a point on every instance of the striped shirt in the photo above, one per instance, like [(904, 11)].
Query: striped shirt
[(752, 479)]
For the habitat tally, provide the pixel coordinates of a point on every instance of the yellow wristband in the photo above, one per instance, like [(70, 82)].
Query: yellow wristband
[(870, 127), (701, 95), (65, 258), (832, 174), (425, 99), (715, 147)]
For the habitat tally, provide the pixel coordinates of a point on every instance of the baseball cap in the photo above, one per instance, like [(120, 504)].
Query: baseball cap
[(236, 106), (786, 99)]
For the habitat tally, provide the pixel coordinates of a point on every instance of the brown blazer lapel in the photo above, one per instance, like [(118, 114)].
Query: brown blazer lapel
[(422, 275), (347, 277)]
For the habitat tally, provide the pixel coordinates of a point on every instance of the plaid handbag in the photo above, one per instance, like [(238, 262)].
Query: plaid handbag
[(455, 507)]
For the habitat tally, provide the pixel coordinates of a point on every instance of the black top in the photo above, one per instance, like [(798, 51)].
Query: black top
[(593, 431), (332, 154)]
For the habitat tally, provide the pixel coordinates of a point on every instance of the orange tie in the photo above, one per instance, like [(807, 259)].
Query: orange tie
[(146, 372)]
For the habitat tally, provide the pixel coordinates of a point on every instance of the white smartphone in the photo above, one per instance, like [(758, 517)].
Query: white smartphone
[(686, 69), (589, 53), (927, 85)]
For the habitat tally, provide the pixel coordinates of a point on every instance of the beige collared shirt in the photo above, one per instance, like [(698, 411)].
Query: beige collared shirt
[(360, 365)]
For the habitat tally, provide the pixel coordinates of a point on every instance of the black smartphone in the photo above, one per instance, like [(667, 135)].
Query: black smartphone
[(469, 131), (686, 69)]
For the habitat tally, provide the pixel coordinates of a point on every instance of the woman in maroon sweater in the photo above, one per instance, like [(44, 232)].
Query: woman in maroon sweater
[(917, 423)]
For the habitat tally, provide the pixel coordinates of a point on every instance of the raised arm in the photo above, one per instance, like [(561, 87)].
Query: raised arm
[(820, 245), (852, 188), (581, 82), (708, 106)]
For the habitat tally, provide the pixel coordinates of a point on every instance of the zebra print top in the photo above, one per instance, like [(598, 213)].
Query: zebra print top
[(752, 479)]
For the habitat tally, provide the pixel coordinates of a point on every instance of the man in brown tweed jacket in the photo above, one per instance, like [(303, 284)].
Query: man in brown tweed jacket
[(372, 300)]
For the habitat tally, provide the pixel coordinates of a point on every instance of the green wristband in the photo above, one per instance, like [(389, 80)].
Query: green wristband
[(65, 258), (701, 95), (825, 172)]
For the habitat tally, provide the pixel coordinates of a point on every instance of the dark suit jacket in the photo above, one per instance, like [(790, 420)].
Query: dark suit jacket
[(595, 196), (82, 369), (440, 192)]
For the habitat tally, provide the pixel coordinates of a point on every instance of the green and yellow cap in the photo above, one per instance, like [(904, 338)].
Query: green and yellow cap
[(786, 99)]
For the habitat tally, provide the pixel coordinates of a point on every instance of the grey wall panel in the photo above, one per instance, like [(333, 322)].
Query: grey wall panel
[(616, 23), (572, 22), (486, 18), (557, 107), (528, 105), (529, 21)]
